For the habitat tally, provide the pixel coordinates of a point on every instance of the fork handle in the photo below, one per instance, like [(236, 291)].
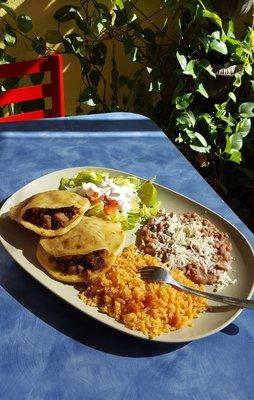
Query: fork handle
[(233, 301)]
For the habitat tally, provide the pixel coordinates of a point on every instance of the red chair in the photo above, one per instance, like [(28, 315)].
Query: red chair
[(54, 89)]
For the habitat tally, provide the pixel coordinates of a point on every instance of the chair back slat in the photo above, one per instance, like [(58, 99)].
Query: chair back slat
[(25, 94), (54, 89), (22, 68), (27, 116)]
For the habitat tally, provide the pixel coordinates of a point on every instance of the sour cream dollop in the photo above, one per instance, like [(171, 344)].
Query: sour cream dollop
[(123, 194)]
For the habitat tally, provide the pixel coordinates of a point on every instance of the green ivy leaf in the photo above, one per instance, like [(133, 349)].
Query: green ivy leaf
[(221, 110), (189, 70), (248, 69), (236, 156), (205, 40), (232, 96), (121, 18), (236, 141), (216, 35), (148, 35), (89, 97), (243, 127), (191, 117), (66, 13), (228, 145), (183, 102), (205, 64), (238, 80), (201, 89), (73, 42), (239, 52), (133, 17), (213, 16), (183, 121), (53, 36), (119, 4), (229, 130), (201, 139), (200, 149), (39, 45), (10, 37), (231, 29), (219, 46), (24, 23), (6, 58), (182, 60), (246, 110)]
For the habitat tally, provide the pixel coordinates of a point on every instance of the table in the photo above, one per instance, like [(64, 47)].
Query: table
[(48, 350)]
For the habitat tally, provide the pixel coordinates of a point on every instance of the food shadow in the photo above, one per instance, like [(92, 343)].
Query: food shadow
[(59, 314)]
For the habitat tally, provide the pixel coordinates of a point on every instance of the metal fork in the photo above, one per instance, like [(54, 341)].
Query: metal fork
[(159, 274)]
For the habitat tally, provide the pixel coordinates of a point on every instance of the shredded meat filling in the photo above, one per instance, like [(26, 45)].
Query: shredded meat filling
[(50, 218), (80, 263)]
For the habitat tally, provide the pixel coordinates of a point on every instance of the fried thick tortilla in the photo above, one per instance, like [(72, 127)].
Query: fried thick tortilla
[(92, 236), (55, 200)]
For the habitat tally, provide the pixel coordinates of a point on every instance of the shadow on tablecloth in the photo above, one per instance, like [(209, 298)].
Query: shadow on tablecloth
[(71, 322)]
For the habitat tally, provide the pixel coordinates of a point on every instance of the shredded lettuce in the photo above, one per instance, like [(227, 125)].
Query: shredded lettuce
[(82, 177), (140, 212)]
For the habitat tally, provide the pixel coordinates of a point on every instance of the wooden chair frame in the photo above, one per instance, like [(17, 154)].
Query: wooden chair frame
[(54, 89)]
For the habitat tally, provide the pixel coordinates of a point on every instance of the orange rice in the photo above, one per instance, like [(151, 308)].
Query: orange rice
[(152, 308)]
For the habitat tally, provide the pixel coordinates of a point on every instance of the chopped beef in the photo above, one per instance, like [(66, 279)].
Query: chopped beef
[(80, 263), (60, 218), (46, 221), (50, 218), (75, 269)]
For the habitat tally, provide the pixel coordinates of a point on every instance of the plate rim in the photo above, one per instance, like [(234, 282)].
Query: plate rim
[(122, 328)]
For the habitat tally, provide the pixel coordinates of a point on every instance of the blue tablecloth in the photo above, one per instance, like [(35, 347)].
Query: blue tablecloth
[(48, 350)]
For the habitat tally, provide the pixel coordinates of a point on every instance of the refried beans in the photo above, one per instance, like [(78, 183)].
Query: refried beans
[(189, 242)]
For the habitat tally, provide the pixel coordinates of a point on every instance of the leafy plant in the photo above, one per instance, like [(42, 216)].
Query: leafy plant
[(210, 124), (195, 82)]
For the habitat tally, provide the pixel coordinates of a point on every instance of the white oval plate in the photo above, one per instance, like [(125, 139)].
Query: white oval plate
[(21, 245)]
